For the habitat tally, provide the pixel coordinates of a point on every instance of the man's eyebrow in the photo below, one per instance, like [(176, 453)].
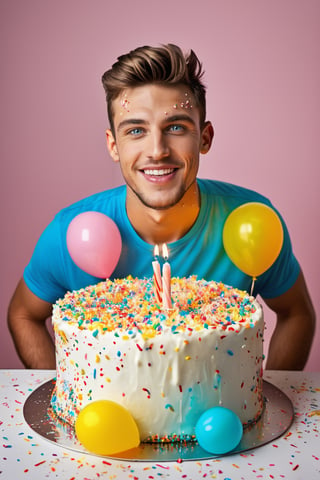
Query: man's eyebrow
[(130, 121), (180, 117)]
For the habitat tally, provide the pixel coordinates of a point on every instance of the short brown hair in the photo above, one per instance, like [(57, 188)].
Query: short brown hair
[(166, 64)]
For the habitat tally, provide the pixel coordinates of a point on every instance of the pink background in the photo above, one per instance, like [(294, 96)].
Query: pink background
[(263, 73)]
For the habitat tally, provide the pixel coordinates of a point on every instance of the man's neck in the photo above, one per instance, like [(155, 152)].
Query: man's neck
[(167, 225)]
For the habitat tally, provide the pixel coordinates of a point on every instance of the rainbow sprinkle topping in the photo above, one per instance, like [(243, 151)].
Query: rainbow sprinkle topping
[(129, 305)]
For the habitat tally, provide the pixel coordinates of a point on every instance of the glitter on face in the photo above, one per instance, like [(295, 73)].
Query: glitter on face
[(125, 104), (184, 104)]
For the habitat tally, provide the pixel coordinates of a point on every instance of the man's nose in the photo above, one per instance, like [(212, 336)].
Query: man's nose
[(158, 147)]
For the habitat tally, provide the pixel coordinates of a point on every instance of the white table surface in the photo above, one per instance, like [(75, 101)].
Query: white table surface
[(26, 455)]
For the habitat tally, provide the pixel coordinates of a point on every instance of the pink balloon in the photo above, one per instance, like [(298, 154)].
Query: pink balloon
[(94, 243)]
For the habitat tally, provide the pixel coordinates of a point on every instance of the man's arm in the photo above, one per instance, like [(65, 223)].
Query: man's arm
[(27, 316), (292, 338)]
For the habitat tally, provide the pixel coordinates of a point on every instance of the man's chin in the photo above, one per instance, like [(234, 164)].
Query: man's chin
[(162, 200), (160, 205)]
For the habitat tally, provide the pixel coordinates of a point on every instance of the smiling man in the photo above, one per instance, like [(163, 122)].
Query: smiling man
[(157, 137), (158, 129)]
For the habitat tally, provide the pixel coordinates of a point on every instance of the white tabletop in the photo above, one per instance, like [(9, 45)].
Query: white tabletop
[(26, 455)]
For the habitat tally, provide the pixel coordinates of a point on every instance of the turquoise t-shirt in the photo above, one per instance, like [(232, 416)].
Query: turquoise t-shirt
[(51, 271)]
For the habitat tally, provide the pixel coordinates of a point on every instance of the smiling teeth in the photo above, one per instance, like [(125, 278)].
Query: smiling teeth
[(164, 171)]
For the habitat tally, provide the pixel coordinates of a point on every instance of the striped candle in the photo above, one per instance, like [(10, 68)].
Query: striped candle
[(157, 280), (166, 279)]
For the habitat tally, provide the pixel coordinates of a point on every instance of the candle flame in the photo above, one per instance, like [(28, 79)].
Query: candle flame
[(165, 251), (156, 251)]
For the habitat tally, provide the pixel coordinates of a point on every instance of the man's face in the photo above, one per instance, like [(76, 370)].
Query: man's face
[(157, 142)]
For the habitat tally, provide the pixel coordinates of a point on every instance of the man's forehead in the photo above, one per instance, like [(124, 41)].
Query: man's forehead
[(155, 90), (170, 97)]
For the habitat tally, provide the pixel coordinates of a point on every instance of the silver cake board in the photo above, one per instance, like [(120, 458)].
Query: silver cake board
[(275, 420)]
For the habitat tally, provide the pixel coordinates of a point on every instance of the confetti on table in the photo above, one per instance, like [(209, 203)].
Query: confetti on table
[(25, 455)]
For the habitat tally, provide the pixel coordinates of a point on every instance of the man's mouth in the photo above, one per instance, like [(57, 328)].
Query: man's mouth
[(159, 172)]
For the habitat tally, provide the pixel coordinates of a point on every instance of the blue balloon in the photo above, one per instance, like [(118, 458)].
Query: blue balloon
[(219, 430)]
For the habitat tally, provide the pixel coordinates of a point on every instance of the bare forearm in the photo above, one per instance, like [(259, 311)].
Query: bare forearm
[(290, 344), (292, 338), (33, 343), (27, 316)]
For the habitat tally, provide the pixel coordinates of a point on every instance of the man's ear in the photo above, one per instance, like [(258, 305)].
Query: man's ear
[(206, 137), (112, 146)]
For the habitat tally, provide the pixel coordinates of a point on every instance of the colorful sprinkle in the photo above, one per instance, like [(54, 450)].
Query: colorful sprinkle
[(169, 407)]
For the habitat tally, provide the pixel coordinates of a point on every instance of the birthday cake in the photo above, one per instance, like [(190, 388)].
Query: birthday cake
[(166, 366)]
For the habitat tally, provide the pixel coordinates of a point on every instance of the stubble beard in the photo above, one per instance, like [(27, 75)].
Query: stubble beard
[(154, 205)]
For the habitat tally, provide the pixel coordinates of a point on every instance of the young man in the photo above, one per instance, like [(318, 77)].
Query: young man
[(158, 129)]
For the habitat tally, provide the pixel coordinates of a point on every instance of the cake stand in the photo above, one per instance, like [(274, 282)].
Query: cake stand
[(275, 420)]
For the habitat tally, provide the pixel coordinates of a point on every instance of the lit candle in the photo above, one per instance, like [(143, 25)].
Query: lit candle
[(157, 280), (166, 279)]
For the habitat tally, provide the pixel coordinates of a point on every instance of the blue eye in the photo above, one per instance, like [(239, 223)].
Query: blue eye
[(176, 128), (135, 131)]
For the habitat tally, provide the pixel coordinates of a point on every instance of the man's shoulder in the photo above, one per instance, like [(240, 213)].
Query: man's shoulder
[(230, 190), (106, 202)]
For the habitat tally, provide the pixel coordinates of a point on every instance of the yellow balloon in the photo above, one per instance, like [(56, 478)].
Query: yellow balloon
[(105, 427), (253, 237)]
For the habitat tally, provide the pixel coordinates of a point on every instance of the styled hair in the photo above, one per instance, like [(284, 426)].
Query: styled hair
[(166, 65)]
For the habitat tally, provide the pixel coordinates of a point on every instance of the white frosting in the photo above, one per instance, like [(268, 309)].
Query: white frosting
[(166, 381)]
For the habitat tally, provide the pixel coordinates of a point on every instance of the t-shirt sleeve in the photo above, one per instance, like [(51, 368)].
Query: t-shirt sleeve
[(281, 276), (44, 274)]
